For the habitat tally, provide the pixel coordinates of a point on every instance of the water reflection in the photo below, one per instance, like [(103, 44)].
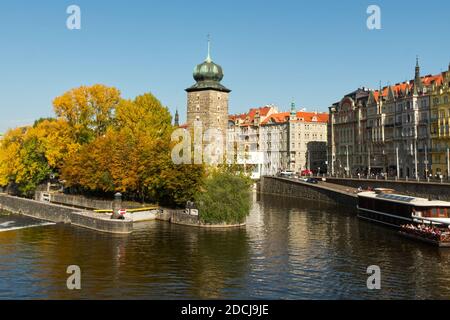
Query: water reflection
[(290, 249)]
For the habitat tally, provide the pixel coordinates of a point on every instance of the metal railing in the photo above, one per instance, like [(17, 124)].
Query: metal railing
[(422, 179)]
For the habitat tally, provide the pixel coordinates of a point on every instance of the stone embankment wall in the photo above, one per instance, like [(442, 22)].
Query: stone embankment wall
[(300, 189), (181, 217), (426, 190), (62, 214)]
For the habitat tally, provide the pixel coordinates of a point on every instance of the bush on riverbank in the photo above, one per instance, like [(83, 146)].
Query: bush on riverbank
[(224, 198)]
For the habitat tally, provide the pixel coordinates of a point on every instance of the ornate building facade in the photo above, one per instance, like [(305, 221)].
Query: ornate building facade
[(347, 133), (386, 131), (440, 123)]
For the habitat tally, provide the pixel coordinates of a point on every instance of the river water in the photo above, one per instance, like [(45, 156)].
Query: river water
[(290, 249)]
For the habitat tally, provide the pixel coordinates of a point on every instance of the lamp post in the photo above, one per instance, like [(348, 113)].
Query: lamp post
[(348, 163), (415, 160), (426, 162), (448, 163), (398, 164)]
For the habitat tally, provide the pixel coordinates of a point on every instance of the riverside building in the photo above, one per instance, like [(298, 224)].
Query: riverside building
[(294, 140), (394, 131)]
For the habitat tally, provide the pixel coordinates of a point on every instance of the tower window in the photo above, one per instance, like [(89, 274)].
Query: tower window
[(197, 107), (218, 108)]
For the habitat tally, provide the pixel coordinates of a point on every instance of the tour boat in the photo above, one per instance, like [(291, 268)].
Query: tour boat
[(383, 206), (418, 218)]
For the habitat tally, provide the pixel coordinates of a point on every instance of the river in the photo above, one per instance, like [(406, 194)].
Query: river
[(290, 249)]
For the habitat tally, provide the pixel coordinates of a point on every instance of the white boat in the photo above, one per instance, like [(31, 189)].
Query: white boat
[(386, 207)]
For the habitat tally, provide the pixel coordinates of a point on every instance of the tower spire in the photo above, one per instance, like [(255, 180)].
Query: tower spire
[(177, 119), (208, 58), (293, 108), (380, 96), (417, 79)]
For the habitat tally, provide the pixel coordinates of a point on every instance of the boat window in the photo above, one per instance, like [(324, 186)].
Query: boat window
[(434, 212)]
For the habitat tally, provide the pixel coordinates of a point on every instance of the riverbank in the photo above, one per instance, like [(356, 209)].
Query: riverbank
[(98, 220)]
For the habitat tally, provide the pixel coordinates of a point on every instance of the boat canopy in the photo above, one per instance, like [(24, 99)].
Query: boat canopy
[(418, 202)]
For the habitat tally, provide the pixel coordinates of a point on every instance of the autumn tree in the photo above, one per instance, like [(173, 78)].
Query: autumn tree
[(89, 111), (100, 142), (10, 147), (134, 157)]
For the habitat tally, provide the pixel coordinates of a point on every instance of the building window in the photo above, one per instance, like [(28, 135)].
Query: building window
[(197, 107)]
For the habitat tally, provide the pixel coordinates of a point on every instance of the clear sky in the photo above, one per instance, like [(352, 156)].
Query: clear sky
[(271, 51)]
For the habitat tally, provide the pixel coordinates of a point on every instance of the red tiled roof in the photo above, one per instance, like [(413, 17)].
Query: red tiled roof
[(302, 116), (401, 87), (250, 116), (309, 116), (277, 118)]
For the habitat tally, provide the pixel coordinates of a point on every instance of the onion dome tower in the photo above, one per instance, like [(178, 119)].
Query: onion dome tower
[(207, 99)]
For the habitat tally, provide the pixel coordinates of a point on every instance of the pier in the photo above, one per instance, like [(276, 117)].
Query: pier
[(64, 214)]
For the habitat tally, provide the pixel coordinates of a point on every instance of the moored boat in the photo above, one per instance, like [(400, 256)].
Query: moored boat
[(386, 207)]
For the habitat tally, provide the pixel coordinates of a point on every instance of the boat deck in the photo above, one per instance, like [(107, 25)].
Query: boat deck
[(436, 243)]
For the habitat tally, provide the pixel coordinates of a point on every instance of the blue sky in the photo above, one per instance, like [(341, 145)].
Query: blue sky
[(271, 51)]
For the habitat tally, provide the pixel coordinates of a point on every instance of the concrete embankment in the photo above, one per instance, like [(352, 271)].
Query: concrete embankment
[(323, 192), (427, 190), (63, 214)]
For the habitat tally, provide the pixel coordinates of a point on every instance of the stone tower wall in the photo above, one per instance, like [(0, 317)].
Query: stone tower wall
[(210, 107)]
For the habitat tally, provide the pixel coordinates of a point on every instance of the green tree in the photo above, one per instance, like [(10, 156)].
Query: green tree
[(225, 198)]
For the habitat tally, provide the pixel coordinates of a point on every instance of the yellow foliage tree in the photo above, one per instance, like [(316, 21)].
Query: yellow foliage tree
[(89, 111), (134, 157), (9, 155)]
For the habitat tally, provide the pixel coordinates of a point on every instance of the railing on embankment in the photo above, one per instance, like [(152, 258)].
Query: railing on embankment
[(433, 190), (299, 189)]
